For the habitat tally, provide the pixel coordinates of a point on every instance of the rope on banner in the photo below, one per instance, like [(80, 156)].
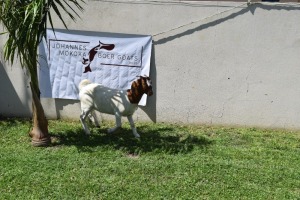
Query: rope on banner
[(193, 22), (249, 3)]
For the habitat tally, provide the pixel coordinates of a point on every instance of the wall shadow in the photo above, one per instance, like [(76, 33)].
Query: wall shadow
[(269, 6), (202, 27), (150, 109), (61, 103), (10, 102)]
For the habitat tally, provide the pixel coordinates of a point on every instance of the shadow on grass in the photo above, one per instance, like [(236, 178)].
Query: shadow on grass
[(157, 140)]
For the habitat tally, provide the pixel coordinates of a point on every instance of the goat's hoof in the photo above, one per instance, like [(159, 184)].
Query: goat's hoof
[(87, 132), (110, 131), (113, 130), (138, 139)]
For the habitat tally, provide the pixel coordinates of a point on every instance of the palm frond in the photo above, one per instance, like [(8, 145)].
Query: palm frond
[(26, 21)]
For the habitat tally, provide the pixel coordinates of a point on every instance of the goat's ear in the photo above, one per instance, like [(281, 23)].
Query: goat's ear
[(145, 76)]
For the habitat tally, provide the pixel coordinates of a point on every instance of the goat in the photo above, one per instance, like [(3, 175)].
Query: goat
[(112, 101)]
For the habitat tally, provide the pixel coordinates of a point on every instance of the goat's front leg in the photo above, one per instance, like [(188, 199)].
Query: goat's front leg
[(83, 116), (118, 124), (135, 133)]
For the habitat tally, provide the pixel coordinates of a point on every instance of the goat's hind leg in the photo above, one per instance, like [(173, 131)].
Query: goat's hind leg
[(83, 116), (135, 133), (118, 124), (93, 117)]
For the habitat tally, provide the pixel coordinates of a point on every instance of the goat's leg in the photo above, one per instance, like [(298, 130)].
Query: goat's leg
[(95, 118), (83, 117), (118, 124), (135, 133)]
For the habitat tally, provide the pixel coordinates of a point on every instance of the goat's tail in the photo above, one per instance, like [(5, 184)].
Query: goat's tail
[(83, 83)]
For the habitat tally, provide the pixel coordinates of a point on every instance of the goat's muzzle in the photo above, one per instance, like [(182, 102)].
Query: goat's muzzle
[(150, 92)]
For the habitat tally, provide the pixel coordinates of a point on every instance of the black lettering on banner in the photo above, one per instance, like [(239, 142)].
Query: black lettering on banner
[(105, 55), (70, 53), (128, 57), (68, 48)]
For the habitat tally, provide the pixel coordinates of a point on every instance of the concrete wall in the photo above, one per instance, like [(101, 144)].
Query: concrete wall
[(240, 67)]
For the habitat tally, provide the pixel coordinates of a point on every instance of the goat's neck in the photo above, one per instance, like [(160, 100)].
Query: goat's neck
[(134, 96)]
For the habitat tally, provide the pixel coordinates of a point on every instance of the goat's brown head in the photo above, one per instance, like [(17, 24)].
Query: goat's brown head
[(146, 85), (141, 86)]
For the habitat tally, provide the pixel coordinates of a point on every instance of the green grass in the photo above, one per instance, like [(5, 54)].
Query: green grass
[(169, 162)]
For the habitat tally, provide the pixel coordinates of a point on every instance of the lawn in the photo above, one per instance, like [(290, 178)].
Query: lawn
[(170, 161)]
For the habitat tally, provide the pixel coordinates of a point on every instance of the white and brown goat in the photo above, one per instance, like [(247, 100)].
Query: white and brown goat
[(112, 101)]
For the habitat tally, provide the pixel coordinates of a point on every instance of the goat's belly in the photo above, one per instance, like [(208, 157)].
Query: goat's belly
[(115, 105)]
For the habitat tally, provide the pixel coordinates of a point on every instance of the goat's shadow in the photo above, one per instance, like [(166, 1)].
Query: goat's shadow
[(153, 140)]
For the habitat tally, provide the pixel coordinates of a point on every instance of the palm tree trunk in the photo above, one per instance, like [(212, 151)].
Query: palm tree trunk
[(39, 132)]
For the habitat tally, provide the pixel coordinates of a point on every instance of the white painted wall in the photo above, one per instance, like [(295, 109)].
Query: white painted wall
[(241, 67)]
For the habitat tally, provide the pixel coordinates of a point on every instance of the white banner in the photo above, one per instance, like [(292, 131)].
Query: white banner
[(114, 60)]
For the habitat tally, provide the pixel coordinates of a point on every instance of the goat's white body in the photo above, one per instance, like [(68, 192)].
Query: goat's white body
[(106, 100)]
